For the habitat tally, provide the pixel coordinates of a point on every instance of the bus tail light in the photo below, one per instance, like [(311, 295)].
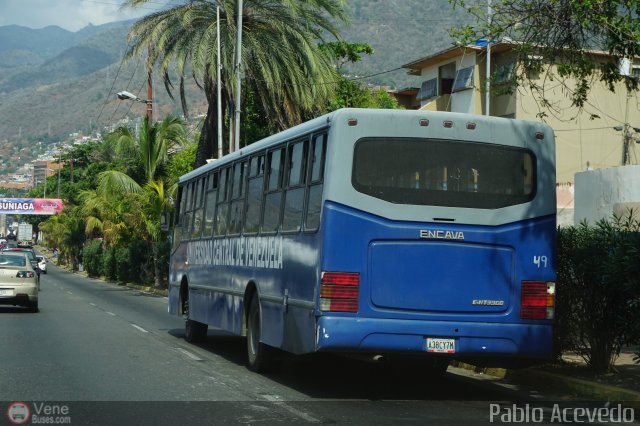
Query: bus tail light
[(25, 274), (537, 300), (339, 291)]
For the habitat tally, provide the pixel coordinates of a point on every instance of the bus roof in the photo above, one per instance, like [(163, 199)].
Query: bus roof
[(325, 121)]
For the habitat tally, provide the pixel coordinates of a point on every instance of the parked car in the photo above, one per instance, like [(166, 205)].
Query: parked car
[(19, 284), (42, 263)]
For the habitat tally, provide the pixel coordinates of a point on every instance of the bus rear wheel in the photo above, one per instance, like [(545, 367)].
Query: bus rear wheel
[(194, 331), (260, 356)]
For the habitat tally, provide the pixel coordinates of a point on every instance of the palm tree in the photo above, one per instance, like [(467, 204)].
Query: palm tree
[(121, 207), (282, 64)]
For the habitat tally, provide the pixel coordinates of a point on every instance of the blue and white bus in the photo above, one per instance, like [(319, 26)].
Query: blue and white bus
[(375, 232)]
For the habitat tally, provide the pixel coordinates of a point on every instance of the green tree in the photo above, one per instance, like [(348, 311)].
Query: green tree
[(351, 93), (282, 64), (562, 32), (181, 162), (124, 207)]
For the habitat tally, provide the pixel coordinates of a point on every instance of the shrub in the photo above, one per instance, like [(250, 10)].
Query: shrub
[(92, 258), (123, 265), (598, 290), (109, 263), (141, 261)]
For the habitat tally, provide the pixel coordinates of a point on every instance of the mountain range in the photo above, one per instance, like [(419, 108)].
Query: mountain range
[(54, 82)]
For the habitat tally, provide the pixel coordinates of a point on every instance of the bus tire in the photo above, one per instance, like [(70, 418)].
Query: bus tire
[(260, 357), (194, 331)]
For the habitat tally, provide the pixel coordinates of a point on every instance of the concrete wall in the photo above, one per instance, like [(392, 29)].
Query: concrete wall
[(601, 193), (585, 139)]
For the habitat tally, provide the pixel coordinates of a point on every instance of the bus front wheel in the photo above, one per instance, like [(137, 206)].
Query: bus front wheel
[(194, 331), (260, 356)]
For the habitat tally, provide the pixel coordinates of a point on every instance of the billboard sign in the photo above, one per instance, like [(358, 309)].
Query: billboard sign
[(43, 206)]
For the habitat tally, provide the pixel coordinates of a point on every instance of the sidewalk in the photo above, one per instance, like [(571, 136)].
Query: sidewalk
[(573, 380)]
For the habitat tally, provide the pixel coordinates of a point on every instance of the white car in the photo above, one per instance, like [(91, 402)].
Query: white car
[(42, 263), (19, 284)]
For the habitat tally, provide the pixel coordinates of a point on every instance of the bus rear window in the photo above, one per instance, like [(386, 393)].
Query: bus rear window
[(449, 173)]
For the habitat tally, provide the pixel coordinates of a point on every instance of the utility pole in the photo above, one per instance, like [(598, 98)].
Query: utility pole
[(487, 95), (149, 89), (236, 140), (626, 136), (219, 88)]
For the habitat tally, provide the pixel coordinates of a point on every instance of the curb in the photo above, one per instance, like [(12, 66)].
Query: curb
[(578, 387)]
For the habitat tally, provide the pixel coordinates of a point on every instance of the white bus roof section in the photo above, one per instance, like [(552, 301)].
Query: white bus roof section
[(403, 123)]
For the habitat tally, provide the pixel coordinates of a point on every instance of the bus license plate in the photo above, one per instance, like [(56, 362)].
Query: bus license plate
[(446, 346), (6, 292)]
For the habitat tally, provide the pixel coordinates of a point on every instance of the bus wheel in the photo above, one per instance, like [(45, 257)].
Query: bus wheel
[(194, 331), (260, 356)]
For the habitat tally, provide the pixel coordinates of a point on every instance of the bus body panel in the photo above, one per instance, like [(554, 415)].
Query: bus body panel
[(468, 290), (475, 341), (283, 269)]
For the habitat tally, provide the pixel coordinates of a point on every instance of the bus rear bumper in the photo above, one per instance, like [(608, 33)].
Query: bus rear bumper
[(471, 339)]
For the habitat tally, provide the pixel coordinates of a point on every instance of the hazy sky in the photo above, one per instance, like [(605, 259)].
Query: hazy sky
[(71, 15)]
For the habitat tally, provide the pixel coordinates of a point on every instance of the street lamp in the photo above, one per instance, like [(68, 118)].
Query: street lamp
[(627, 138), (124, 95)]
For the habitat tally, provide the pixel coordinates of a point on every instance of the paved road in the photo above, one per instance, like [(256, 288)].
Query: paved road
[(114, 355)]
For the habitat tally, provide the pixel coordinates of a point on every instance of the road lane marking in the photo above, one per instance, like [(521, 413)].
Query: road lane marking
[(113, 315), (189, 354), (139, 328), (93, 304), (298, 413), (69, 292)]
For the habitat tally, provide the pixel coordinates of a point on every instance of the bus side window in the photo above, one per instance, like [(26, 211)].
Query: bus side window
[(188, 215), (316, 177), (273, 196), (295, 186), (179, 212), (255, 191), (198, 210), (237, 197), (210, 205), (223, 204)]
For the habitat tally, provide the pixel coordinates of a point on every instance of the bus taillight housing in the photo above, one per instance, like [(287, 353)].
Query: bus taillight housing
[(537, 300), (339, 291)]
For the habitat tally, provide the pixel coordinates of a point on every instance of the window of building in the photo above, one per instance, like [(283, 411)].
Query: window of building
[(503, 73), (464, 79), (428, 90)]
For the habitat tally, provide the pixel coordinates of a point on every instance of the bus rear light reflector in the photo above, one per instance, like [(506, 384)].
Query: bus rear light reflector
[(537, 300), (447, 124), (539, 135), (471, 126), (424, 122), (339, 291), (352, 122)]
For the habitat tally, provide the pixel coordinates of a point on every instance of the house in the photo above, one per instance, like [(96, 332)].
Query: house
[(455, 80)]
